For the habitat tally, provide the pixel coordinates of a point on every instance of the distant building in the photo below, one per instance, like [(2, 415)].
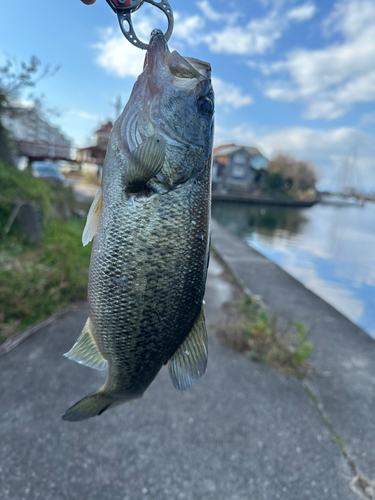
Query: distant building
[(238, 168), (92, 157), (91, 154), (33, 137), (103, 134)]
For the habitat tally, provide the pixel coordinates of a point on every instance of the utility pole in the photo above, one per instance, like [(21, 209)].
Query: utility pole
[(117, 105)]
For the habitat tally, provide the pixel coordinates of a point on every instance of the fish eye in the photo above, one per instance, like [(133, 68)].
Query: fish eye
[(205, 104)]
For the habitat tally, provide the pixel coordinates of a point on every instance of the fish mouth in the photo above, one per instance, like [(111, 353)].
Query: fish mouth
[(157, 39), (157, 52)]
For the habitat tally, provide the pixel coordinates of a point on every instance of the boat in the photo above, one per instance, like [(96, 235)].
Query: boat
[(342, 200), (343, 195)]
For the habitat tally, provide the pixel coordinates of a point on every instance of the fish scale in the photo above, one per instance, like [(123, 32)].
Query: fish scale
[(144, 335)]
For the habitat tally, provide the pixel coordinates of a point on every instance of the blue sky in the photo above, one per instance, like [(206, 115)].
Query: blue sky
[(289, 75)]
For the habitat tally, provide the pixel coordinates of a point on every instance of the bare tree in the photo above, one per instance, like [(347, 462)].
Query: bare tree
[(298, 174), (14, 79)]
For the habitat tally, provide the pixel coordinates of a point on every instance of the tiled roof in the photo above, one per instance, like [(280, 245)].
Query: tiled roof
[(105, 128), (228, 149)]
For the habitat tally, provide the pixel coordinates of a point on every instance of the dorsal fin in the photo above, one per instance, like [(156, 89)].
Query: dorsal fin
[(86, 352), (93, 218), (189, 362)]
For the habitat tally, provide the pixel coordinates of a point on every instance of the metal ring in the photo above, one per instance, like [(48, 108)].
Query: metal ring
[(130, 35)]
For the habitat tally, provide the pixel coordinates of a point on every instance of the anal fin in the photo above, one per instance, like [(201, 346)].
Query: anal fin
[(86, 352), (189, 362)]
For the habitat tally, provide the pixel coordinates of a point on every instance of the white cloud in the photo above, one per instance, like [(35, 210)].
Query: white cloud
[(349, 17), (303, 12), (212, 15), (120, 58), (117, 56), (87, 116), (327, 149), (325, 108), (188, 29), (331, 80), (230, 95), (258, 35)]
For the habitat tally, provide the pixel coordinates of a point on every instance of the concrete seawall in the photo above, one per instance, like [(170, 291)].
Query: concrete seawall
[(343, 378)]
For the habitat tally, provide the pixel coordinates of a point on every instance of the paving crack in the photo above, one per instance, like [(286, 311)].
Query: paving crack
[(362, 486)]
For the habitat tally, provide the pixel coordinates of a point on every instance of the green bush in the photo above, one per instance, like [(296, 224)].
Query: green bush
[(276, 185), (17, 186), (37, 280)]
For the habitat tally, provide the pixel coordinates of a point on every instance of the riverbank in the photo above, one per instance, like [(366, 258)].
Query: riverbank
[(343, 378), (263, 200)]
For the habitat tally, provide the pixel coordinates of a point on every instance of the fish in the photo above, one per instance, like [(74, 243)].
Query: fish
[(150, 225)]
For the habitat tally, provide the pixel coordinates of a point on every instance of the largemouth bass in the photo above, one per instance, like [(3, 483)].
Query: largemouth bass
[(150, 222)]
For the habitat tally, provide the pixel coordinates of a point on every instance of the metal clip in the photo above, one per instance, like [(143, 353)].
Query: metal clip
[(125, 8)]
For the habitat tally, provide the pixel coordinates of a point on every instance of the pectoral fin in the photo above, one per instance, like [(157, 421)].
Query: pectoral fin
[(93, 218), (145, 162), (86, 352), (189, 362)]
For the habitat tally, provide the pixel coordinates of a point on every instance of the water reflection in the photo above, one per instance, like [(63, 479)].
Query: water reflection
[(329, 249), (245, 219)]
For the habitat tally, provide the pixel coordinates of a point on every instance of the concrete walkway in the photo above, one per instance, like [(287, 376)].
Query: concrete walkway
[(242, 432), (343, 378), (84, 192)]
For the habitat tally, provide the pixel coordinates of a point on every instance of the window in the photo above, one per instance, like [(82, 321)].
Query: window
[(240, 158), (239, 171), (259, 161)]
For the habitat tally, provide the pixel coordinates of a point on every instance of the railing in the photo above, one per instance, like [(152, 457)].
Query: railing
[(43, 150)]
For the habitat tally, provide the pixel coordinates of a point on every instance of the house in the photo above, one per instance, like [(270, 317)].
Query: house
[(92, 157), (33, 137), (238, 168), (103, 135)]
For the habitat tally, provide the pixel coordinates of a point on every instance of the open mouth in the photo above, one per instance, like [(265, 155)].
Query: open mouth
[(157, 51)]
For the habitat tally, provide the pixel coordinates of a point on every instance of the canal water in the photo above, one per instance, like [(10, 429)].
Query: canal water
[(329, 249)]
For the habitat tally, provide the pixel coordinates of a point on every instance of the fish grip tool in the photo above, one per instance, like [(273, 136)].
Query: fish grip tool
[(125, 8)]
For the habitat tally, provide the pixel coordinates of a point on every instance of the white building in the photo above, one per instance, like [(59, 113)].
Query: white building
[(34, 137)]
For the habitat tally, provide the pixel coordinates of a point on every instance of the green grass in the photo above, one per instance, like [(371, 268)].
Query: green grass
[(17, 186), (37, 280), (257, 333)]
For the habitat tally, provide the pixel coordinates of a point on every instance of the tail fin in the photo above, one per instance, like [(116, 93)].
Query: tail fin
[(90, 406)]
